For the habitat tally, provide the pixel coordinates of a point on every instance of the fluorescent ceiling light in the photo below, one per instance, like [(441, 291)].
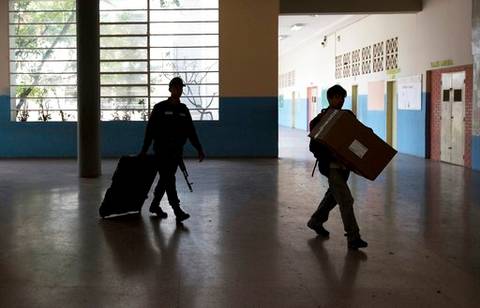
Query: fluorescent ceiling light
[(297, 27)]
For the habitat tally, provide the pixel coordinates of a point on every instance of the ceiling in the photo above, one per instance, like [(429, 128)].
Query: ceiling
[(315, 25)]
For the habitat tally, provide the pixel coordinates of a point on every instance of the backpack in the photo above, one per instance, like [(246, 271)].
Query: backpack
[(320, 151)]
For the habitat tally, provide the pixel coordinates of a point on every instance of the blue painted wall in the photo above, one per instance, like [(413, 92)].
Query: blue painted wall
[(411, 130), (411, 124), (476, 152), (248, 127), (323, 99), (376, 120), (348, 103), (285, 112), (301, 113), (34, 139)]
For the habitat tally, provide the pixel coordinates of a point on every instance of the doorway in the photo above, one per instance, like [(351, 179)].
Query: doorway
[(355, 99), (391, 119), (452, 131), (293, 109), (312, 94)]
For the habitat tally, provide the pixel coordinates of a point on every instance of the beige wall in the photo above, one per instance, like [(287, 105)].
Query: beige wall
[(248, 48), (4, 51), (348, 6)]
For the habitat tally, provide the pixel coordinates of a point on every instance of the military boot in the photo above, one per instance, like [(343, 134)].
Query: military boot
[(156, 209), (179, 213)]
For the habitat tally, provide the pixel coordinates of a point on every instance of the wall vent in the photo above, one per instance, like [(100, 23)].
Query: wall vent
[(378, 55), (391, 61)]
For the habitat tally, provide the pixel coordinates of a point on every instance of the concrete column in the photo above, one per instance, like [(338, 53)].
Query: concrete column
[(88, 82), (476, 66), (4, 49)]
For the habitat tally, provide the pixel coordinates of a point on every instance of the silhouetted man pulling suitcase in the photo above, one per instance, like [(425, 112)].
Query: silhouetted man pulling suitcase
[(169, 126)]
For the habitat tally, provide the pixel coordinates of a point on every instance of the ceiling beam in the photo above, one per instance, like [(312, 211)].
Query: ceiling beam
[(292, 7)]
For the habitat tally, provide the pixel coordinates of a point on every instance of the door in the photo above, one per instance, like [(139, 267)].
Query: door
[(293, 109), (458, 118), (312, 103), (391, 113), (452, 147), (355, 99)]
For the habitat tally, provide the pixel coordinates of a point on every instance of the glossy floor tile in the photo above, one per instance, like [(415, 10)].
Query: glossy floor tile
[(246, 244)]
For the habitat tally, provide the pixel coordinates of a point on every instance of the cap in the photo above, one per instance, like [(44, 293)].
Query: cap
[(176, 81)]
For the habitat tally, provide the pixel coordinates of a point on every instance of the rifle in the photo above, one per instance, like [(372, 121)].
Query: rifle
[(182, 167), (314, 167)]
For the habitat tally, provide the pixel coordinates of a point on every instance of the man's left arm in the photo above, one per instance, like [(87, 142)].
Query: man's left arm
[(193, 137)]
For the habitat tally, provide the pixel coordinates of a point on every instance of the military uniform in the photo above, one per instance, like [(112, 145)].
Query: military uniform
[(169, 127)]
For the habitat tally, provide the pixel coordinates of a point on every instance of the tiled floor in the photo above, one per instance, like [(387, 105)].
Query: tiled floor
[(246, 244)]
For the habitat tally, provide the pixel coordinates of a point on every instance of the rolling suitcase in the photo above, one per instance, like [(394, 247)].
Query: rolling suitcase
[(131, 183)]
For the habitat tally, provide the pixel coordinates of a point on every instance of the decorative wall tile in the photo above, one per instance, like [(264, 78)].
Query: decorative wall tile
[(367, 60), (356, 62), (338, 67), (347, 64), (391, 61), (378, 55)]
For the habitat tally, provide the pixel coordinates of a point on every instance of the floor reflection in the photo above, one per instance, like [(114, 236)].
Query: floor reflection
[(246, 243), (145, 254), (340, 286)]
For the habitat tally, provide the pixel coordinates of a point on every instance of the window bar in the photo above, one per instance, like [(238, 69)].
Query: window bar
[(44, 35), (123, 23), (111, 85), (29, 61), (41, 23), (122, 35), (184, 21), (188, 9), (148, 8), (184, 59), (185, 34), (126, 60), (42, 11)]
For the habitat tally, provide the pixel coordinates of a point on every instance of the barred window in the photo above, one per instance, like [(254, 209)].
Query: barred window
[(43, 60), (145, 43)]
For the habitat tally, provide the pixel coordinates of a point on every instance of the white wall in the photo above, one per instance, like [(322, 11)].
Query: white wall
[(447, 26), (313, 64), (442, 31)]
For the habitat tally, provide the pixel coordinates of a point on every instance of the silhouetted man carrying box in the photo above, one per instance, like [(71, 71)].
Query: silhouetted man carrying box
[(337, 174)]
